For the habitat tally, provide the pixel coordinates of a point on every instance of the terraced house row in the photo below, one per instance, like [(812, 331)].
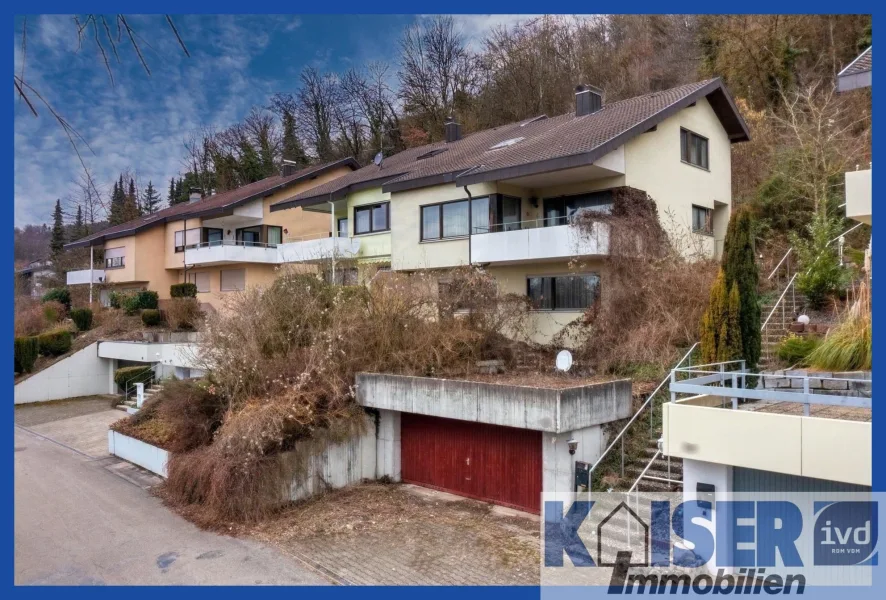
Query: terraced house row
[(501, 198)]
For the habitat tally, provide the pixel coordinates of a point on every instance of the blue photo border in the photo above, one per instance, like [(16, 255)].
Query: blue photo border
[(389, 7)]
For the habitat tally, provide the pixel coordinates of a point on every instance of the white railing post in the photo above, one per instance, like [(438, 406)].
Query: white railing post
[(806, 399), (139, 394)]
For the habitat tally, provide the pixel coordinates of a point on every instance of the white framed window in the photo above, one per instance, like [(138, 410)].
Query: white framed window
[(201, 280), (189, 240), (233, 280)]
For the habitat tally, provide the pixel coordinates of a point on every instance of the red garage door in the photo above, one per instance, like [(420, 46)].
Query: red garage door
[(488, 462)]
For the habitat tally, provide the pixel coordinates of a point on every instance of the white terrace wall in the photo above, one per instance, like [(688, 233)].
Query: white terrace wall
[(84, 373)]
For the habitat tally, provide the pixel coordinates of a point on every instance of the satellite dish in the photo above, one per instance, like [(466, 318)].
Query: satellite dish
[(379, 159), (564, 360)]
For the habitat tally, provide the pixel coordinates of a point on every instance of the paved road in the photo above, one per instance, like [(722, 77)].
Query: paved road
[(76, 522)]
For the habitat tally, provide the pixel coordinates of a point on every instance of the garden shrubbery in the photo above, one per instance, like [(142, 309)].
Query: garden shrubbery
[(183, 313), (82, 318), (794, 349), (183, 290), (25, 354), (151, 317), (54, 343), (61, 294), (127, 374), (53, 311)]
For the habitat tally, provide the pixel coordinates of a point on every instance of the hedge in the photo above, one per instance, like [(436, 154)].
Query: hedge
[(139, 373), (26, 349), (130, 304), (54, 343), (82, 318), (62, 295), (147, 300), (183, 290), (151, 317)]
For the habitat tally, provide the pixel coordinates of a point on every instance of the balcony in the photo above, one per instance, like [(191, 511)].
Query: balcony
[(800, 423), (222, 252), (317, 248), (530, 241), (858, 195), (82, 276)]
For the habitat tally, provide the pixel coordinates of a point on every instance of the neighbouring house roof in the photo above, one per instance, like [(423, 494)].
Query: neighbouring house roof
[(531, 146), (213, 205), (862, 63), (35, 266), (858, 73)]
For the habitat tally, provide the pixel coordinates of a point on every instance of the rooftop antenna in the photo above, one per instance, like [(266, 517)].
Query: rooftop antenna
[(379, 159)]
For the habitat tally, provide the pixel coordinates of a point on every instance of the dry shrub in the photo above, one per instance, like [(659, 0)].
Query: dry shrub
[(53, 311), (29, 318), (183, 313), (283, 360), (655, 292)]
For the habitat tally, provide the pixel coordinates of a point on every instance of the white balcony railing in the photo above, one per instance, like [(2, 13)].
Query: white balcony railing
[(533, 240), (219, 252), (858, 195), (312, 249), (82, 276)]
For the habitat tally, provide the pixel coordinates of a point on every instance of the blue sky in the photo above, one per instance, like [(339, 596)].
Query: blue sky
[(138, 123)]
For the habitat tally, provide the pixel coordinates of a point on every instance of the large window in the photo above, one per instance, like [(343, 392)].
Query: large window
[(560, 211), (343, 228), (702, 220), (693, 149), (451, 219), (566, 292), (372, 218), (249, 236), (496, 213), (201, 280), (233, 280), (114, 258), (189, 240), (275, 235), (213, 236)]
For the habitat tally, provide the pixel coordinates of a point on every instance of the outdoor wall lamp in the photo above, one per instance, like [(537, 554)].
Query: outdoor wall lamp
[(573, 445)]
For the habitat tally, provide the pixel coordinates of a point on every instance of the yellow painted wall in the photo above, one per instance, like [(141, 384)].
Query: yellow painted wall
[(128, 271), (408, 252), (652, 163), (150, 265), (298, 222), (544, 325), (373, 246), (173, 259)]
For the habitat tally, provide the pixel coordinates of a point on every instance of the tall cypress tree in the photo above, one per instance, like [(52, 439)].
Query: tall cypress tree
[(740, 268), (115, 215), (720, 330), (57, 240), (79, 228)]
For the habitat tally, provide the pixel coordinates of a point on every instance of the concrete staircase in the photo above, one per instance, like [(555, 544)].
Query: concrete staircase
[(792, 304), (150, 392)]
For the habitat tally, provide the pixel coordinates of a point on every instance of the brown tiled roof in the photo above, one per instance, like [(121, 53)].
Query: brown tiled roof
[(213, 205), (862, 63), (547, 144)]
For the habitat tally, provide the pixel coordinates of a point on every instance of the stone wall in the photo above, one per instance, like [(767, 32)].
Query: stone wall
[(841, 383)]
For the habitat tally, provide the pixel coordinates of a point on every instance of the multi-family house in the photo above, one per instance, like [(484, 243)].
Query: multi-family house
[(222, 243), (503, 198)]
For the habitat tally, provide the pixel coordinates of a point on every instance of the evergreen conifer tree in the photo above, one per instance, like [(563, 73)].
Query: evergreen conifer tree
[(740, 267), (150, 199), (57, 239)]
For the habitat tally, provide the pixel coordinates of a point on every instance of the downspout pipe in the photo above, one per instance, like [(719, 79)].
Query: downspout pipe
[(470, 222), (333, 232)]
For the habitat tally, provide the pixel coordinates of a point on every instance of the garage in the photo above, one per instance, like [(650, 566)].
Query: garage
[(498, 464)]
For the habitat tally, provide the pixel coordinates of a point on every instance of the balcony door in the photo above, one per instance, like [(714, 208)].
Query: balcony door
[(249, 236)]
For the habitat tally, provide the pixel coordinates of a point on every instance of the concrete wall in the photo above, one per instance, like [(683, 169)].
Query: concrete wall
[(388, 445), (790, 444), (654, 165), (512, 406), (558, 465), (171, 354), (336, 466), (83, 373), (145, 455)]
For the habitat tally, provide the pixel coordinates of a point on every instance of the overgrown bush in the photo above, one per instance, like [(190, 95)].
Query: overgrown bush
[(115, 299), (183, 290), (54, 343), (183, 313), (794, 349), (140, 373), (821, 274), (29, 319), (25, 354), (147, 299), (151, 317), (82, 318), (53, 311), (130, 304), (61, 294), (849, 347)]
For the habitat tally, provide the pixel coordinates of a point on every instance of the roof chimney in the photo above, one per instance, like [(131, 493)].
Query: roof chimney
[(290, 167), (588, 99), (194, 194), (453, 130)]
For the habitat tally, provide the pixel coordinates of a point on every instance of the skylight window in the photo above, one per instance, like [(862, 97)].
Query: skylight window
[(433, 152), (507, 143)]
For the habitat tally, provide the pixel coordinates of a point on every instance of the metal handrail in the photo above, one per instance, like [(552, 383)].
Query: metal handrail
[(144, 377), (780, 298), (232, 243), (783, 258), (621, 433), (519, 225), (312, 236)]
